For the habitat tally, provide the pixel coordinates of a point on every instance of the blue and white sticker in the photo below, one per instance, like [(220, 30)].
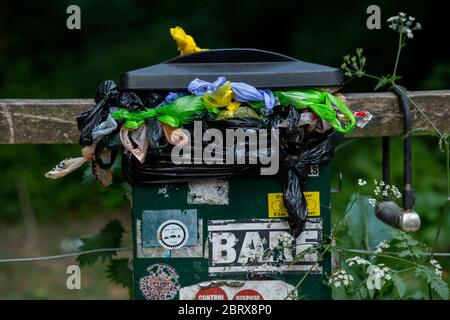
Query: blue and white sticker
[(172, 234)]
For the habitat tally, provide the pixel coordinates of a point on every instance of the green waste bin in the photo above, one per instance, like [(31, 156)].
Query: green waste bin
[(228, 238)]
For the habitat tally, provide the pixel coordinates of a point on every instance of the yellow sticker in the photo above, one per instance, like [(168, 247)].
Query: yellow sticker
[(278, 210)]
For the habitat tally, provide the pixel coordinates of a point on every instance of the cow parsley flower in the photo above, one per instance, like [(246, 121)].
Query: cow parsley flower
[(339, 278), (437, 267), (385, 190), (357, 260), (381, 246), (362, 182), (377, 276), (372, 202), (404, 24)]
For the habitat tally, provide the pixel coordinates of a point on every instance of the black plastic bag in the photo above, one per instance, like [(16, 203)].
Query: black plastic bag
[(316, 149), (105, 98)]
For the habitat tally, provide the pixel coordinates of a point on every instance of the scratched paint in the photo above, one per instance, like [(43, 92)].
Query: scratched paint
[(209, 191)]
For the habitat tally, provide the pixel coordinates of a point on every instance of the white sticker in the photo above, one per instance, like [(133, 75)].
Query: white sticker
[(172, 234), (209, 191), (261, 246)]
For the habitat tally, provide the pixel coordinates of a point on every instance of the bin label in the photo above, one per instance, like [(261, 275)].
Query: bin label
[(214, 293), (278, 210), (239, 290), (261, 246), (172, 234)]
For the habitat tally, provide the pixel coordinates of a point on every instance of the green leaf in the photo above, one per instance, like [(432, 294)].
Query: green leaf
[(364, 227), (109, 237), (399, 284), (435, 281), (413, 248), (381, 83), (118, 272)]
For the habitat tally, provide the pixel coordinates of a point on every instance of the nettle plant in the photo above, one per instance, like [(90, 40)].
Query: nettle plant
[(392, 265)]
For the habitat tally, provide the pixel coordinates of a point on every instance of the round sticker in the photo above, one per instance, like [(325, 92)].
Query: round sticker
[(248, 294), (211, 294), (172, 234), (161, 283)]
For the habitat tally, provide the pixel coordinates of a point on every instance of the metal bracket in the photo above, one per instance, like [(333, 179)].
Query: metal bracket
[(388, 211)]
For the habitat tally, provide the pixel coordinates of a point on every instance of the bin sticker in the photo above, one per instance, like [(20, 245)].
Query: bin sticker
[(239, 290), (172, 234), (278, 210), (248, 294), (208, 191), (161, 283), (214, 293), (261, 246)]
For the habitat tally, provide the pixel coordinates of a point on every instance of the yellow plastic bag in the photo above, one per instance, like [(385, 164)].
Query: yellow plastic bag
[(220, 98), (185, 42)]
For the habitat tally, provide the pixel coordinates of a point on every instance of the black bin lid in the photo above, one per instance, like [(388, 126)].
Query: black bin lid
[(262, 69)]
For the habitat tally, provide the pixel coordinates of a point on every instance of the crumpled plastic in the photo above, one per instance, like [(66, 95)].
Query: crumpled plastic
[(92, 117), (131, 101), (183, 110), (139, 136), (104, 128), (362, 118), (199, 87), (221, 97), (185, 42), (327, 106), (69, 165), (242, 92), (175, 136), (298, 151)]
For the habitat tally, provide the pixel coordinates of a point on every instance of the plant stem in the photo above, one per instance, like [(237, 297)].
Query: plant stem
[(381, 255), (326, 249), (399, 49), (441, 136)]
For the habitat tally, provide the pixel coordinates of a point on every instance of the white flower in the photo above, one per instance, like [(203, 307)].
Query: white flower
[(377, 276), (381, 246), (340, 277), (357, 260), (437, 267), (372, 202), (362, 182), (402, 23)]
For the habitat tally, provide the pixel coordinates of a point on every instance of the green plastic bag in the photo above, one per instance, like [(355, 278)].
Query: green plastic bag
[(182, 111), (323, 104)]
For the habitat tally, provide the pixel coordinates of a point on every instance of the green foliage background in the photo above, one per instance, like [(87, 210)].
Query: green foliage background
[(41, 58)]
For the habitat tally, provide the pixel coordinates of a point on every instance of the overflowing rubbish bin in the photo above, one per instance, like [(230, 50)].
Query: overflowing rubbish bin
[(225, 230), (228, 155)]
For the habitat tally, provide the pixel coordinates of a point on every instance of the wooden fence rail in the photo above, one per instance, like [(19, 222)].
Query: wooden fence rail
[(52, 121)]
